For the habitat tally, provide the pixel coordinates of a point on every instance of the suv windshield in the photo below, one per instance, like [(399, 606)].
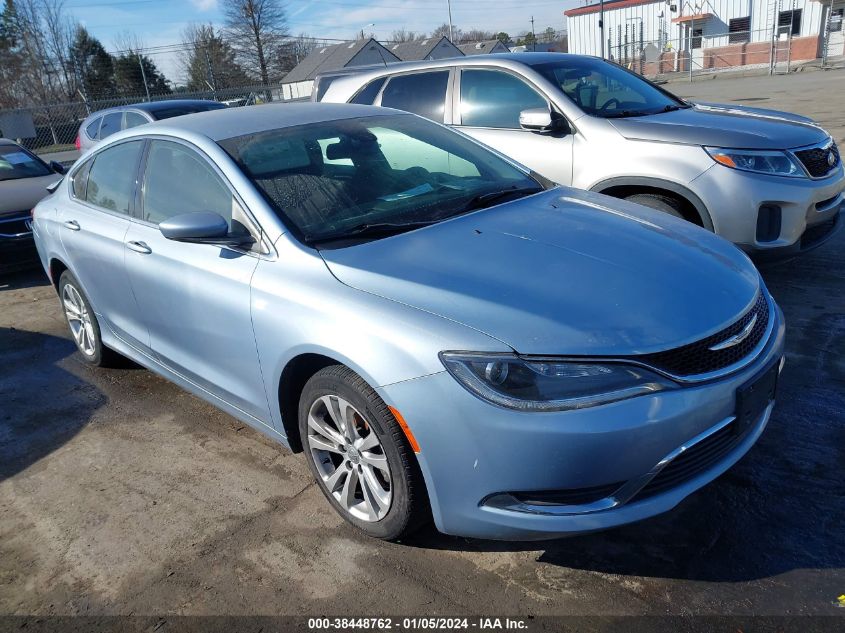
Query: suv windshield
[(607, 90), (16, 162), (373, 176)]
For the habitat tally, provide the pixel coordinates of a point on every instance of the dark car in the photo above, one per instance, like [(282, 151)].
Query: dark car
[(106, 122), (23, 182)]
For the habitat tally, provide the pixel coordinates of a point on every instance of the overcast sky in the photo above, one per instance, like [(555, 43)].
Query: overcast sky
[(160, 22)]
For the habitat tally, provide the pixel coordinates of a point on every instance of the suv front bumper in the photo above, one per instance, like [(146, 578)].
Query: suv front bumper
[(809, 209)]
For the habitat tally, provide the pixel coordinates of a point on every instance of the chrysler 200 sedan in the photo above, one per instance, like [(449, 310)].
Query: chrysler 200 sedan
[(441, 335)]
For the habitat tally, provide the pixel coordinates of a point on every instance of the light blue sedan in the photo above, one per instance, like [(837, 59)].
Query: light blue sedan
[(441, 332)]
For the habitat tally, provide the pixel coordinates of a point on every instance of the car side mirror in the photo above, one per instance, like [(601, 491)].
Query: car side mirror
[(542, 120), (57, 167), (201, 228)]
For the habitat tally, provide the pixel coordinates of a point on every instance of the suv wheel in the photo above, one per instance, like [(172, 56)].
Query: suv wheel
[(659, 202), (359, 455)]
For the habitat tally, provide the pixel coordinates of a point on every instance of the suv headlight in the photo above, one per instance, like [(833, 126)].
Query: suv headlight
[(547, 385), (775, 163)]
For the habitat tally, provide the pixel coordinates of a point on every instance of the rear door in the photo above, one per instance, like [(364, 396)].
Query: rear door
[(488, 105), (93, 227), (195, 298)]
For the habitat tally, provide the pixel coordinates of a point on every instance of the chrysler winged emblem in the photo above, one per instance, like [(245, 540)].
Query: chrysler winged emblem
[(737, 338)]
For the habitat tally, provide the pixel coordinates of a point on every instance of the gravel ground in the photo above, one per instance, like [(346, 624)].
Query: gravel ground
[(122, 494)]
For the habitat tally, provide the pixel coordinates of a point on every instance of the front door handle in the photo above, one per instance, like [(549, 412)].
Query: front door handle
[(73, 225), (139, 247)]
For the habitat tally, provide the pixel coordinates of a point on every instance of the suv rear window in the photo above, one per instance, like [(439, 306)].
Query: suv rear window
[(420, 93)]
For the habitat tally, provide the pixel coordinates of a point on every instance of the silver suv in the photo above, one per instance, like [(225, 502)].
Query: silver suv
[(766, 180)]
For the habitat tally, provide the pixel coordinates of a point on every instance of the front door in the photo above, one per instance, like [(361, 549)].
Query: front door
[(488, 110), (195, 298)]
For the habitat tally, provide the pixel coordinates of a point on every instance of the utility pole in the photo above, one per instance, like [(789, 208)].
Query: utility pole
[(601, 26), (144, 76), (449, 5), (533, 36)]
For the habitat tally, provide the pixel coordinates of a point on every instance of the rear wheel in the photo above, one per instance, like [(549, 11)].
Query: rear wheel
[(83, 323), (659, 202), (359, 455)]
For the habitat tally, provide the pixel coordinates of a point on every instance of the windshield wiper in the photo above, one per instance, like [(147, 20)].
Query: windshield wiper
[(371, 229), (486, 199)]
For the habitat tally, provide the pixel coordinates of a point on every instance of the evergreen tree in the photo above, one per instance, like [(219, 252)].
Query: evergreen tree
[(93, 65)]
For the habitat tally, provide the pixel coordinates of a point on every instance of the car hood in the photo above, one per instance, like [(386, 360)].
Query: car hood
[(562, 272), (24, 193), (724, 126)]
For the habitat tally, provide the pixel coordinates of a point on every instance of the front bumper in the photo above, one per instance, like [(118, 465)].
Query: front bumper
[(472, 451), (17, 248), (809, 209)]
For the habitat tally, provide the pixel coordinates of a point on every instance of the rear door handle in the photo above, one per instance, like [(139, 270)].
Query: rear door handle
[(73, 225), (139, 247)]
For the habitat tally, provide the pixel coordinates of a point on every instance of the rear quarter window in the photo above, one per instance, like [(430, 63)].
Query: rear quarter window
[(368, 93), (93, 128)]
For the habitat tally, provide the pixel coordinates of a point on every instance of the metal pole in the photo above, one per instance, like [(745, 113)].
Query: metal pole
[(451, 36), (533, 35), (601, 26), (144, 76), (691, 29)]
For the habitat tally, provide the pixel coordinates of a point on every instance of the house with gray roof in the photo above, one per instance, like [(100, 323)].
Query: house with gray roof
[(297, 83), (429, 48), (483, 48)]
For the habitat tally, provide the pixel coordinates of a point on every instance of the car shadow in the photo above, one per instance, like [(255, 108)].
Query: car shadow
[(20, 280), (38, 368)]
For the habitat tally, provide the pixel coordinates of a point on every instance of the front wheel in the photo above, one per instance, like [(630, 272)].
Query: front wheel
[(359, 455), (658, 202)]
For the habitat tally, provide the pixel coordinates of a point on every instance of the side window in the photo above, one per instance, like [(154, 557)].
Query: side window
[(133, 119), (80, 180), (93, 129), (178, 180), (111, 124), (420, 93), (111, 181), (368, 94), (490, 98)]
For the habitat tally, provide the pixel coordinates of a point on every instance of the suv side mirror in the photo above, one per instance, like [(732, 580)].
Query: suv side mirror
[(201, 228), (542, 120), (57, 167)]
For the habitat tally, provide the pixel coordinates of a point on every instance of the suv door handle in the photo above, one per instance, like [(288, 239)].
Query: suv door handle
[(139, 247), (73, 225)]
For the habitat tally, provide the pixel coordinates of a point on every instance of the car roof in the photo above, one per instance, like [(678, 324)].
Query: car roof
[(231, 122), (154, 106)]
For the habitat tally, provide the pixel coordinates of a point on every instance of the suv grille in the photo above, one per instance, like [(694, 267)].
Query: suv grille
[(817, 160), (698, 358)]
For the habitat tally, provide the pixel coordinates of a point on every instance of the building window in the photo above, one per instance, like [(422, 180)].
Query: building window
[(697, 34), (785, 18), (739, 29), (836, 20)]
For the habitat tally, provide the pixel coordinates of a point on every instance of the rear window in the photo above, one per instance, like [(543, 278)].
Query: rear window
[(420, 93), (111, 124), (182, 110), (93, 128), (16, 162)]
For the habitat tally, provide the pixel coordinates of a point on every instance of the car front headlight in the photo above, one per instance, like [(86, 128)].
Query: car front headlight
[(549, 385), (775, 163)]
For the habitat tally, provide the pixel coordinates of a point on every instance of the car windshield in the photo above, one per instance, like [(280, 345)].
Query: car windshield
[(16, 162), (607, 90), (181, 110), (372, 176)]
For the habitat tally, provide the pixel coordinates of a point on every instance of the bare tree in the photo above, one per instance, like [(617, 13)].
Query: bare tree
[(256, 29), (443, 29), (401, 35), (477, 35)]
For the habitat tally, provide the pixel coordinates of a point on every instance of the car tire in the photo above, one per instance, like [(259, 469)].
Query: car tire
[(83, 324), (666, 204), (360, 458)]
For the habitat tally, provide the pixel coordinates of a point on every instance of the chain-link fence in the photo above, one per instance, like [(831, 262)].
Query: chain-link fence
[(56, 126)]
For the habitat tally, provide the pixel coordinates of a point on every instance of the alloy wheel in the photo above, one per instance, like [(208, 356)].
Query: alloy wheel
[(79, 320), (349, 458)]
